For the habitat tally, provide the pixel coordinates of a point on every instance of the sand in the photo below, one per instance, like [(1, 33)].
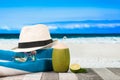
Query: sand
[(95, 55), (88, 55)]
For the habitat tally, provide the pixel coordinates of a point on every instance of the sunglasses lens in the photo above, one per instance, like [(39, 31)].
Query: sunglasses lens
[(23, 57)]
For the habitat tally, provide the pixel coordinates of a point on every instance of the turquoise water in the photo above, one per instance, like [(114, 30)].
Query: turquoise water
[(59, 36)]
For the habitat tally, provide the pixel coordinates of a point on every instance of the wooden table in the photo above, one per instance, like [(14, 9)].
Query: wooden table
[(93, 74)]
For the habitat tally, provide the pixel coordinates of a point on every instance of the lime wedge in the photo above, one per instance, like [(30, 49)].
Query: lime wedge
[(74, 68)]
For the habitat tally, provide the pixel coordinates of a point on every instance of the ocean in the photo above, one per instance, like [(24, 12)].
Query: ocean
[(88, 31), (74, 38)]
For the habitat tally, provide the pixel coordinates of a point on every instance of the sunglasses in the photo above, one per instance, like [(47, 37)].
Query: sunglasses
[(25, 56)]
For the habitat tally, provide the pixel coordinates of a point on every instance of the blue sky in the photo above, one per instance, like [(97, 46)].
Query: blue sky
[(14, 14), (60, 3)]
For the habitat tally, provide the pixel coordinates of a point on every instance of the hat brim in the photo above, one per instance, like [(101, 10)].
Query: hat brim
[(16, 49)]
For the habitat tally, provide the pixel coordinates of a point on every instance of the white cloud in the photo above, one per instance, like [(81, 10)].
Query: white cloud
[(68, 26), (5, 27), (52, 27), (88, 25), (72, 26), (112, 25)]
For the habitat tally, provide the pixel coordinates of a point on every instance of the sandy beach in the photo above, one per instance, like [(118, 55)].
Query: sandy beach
[(95, 54), (88, 55)]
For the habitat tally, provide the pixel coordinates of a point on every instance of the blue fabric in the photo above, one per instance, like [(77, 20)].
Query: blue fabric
[(6, 55), (30, 66), (43, 61)]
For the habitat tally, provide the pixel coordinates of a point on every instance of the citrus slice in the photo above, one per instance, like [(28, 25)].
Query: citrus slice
[(74, 68)]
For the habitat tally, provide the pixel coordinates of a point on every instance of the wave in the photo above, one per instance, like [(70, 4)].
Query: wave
[(92, 40), (72, 40)]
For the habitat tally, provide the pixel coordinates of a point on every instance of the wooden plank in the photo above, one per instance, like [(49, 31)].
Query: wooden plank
[(90, 75), (49, 76), (33, 76), (93, 74), (115, 71), (17, 77), (106, 74), (67, 76)]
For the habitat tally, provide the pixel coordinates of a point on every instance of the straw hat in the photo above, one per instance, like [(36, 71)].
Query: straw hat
[(33, 38)]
